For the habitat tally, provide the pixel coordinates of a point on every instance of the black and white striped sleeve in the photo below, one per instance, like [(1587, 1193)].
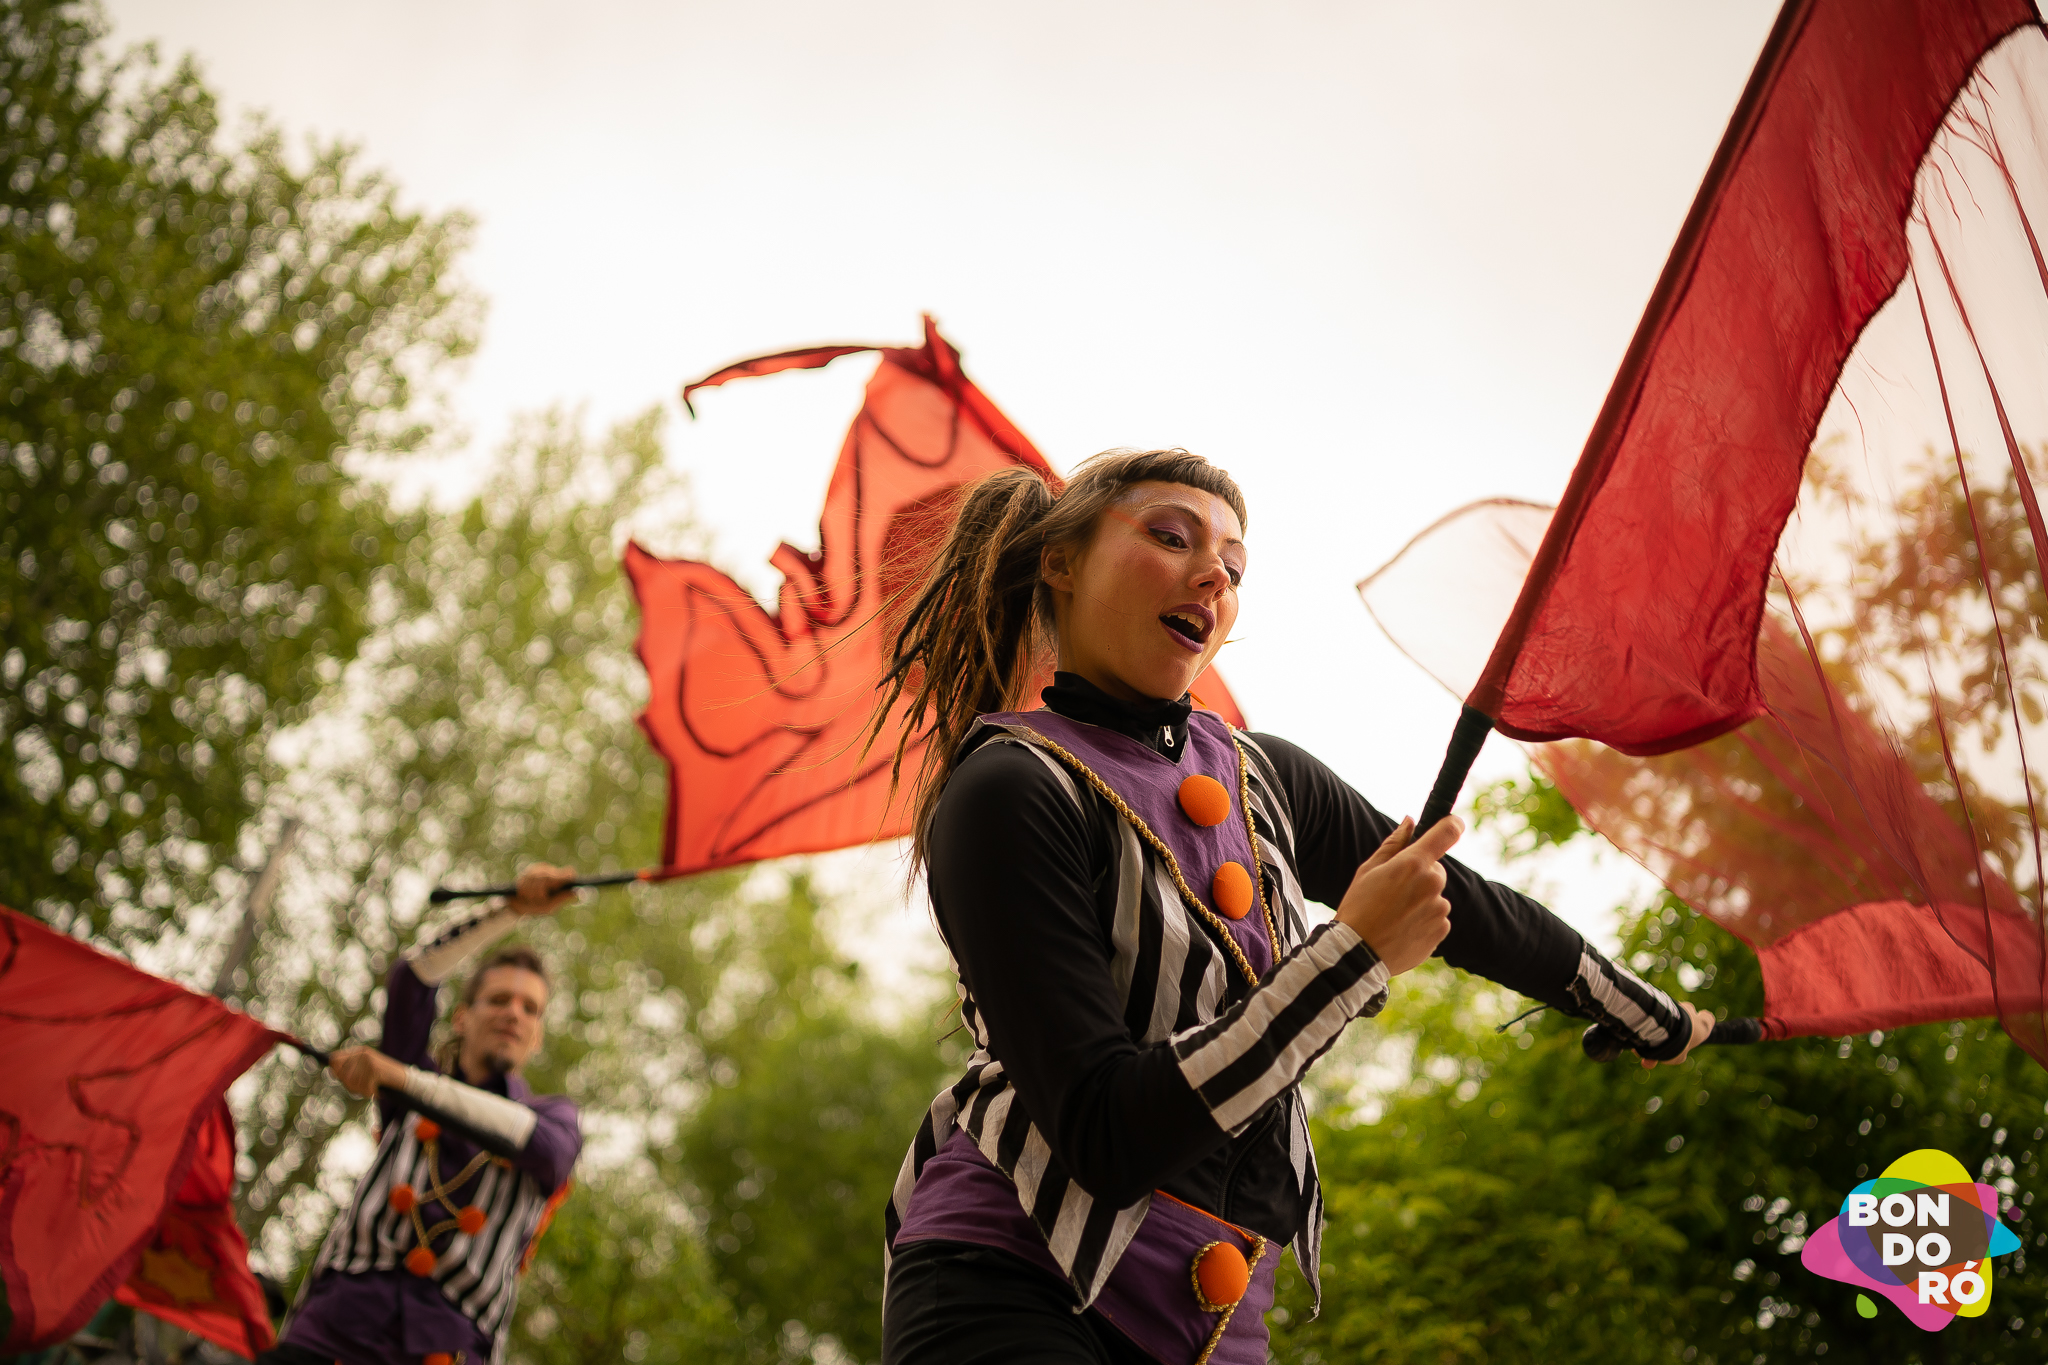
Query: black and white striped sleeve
[(1496, 931), (1643, 1017), (1263, 1046), (437, 959), (1024, 887)]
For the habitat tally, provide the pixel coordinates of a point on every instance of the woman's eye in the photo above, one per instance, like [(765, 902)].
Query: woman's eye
[(1170, 538), (1236, 574)]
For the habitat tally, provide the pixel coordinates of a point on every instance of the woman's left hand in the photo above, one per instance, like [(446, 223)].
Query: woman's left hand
[(1702, 1025)]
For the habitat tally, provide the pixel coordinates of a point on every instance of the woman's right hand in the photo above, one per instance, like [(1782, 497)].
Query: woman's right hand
[(1396, 901)]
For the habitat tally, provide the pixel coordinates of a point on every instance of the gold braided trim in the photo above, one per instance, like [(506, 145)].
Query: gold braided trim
[(1137, 822), (1229, 1311), (442, 1194)]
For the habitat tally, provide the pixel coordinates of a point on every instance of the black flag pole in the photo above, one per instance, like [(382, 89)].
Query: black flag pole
[(441, 895), (306, 1049), (1474, 725), (1602, 1045)]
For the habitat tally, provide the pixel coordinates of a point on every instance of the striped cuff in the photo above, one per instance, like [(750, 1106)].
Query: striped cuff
[(484, 1114), (435, 961), (1644, 1017), (1261, 1048)]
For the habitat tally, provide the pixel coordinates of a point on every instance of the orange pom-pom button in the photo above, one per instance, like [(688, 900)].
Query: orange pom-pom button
[(421, 1261), (471, 1220), (437, 1358), (427, 1130), (404, 1199), (1205, 800), (1232, 890), (1221, 1276)]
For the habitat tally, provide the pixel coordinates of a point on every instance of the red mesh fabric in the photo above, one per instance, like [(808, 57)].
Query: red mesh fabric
[(110, 1101), (760, 717), (1873, 824), (1637, 624)]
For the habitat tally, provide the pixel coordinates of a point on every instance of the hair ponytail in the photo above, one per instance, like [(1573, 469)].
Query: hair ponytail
[(980, 628)]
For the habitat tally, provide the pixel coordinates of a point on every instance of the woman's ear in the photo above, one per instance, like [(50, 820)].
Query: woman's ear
[(1056, 567)]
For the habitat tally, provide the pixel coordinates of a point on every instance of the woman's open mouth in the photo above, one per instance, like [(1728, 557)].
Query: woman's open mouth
[(1190, 625)]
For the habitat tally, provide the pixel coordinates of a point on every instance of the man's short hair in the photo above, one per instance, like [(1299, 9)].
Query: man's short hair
[(514, 955)]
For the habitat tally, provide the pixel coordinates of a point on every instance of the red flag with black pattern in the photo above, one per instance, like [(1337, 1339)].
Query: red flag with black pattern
[(194, 1273), (116, 1156), (761, 717)]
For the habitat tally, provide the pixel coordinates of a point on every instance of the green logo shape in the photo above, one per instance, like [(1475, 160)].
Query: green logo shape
[(1865, 1306)]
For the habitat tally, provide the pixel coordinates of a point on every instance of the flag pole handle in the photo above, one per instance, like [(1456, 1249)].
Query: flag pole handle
[(1466, 740), (307, 1050), (1602, 1044), (441, 895)]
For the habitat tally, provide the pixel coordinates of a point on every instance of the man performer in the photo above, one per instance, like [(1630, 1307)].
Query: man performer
[(424, 1265)]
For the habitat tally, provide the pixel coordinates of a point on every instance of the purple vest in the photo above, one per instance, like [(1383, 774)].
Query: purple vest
[(960, 1196), (1149, 784)]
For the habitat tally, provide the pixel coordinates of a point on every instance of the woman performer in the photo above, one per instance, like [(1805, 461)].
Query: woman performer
[(1122, 881)]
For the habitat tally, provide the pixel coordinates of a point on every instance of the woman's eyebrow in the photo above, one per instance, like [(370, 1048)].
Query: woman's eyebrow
[(1190, 512)]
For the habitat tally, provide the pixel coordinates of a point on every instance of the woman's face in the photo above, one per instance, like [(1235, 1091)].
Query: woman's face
[(1144, 606)]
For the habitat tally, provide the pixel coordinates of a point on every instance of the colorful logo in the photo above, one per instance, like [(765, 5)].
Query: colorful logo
[(1922, 1234)]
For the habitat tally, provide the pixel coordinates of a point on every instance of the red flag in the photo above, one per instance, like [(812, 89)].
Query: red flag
[(195, 1271), (761, 717), (1799, 569), (1638, 623), (110, 1120)]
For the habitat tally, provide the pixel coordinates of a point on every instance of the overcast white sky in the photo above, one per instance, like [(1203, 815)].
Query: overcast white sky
[(1377, 259)]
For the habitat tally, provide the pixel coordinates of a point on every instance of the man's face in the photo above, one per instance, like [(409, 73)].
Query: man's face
[(502, 1029)]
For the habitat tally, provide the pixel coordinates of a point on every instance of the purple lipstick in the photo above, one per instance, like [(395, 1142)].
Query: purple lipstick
[(1190, 624)]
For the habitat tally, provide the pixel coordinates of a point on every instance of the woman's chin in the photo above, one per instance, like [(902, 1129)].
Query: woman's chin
[(1164, 683)]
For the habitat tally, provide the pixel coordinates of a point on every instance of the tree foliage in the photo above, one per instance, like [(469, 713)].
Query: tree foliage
[(192, 338), (1497, 1196), (746, 1109), (793, 1150), (488, 719)]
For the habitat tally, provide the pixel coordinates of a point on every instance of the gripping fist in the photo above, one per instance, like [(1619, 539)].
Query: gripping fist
[(543, 890), (1396, 901), (363, 1069)]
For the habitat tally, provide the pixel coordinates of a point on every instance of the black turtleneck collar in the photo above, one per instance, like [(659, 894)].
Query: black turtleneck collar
[(1161, 726)]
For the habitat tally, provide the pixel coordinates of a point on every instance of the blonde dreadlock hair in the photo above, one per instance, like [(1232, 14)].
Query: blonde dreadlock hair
[(981, 626)]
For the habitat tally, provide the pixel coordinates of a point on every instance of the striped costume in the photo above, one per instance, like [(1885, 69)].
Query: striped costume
[(1240, 1030), (478, 1274), (499, 1162)]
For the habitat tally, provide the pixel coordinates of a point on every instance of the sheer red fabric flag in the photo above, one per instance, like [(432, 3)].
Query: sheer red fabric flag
[(1798, 573), (194, 1273), (1638, 623), (110, 1096), (760, 717)]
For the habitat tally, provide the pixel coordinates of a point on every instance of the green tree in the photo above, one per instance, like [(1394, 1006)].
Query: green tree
[(622, 1275), (734, 1083), (795, 1147), (192, 339), (488, 720), (1498, 1196)]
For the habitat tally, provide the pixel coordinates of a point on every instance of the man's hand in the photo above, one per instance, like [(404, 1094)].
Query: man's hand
[(363, 1069), (1702, 1025), (1396, 901), (542, 889)]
